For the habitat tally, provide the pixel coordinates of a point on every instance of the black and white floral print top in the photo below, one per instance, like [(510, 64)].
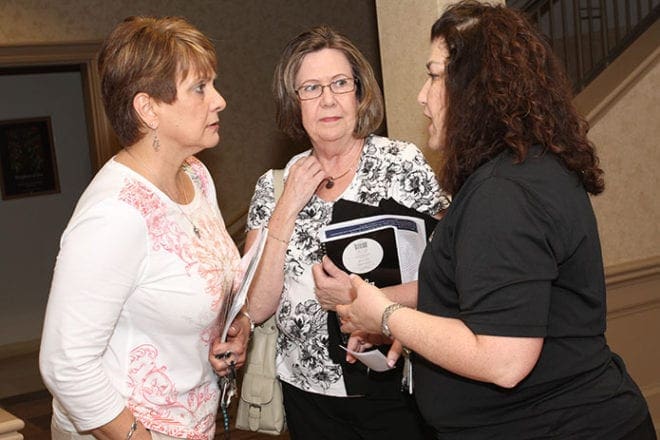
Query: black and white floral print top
[(388, 168)]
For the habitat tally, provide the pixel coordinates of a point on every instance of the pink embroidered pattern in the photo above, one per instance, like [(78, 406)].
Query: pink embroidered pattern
[(199, 175), (164, 233), (213, 258), (154, 399), (216, 264)]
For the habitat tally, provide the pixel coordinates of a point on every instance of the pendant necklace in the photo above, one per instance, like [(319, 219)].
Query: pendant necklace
[(330, 181), (185, 199), (185, 196)]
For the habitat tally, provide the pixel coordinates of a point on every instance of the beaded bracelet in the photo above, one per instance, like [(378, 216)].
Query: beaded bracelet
[(277, 239)]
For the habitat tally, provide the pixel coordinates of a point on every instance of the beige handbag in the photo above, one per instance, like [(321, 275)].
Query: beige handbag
[(261, 405)]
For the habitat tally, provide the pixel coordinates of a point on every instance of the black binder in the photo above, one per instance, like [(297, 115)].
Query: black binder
[(357, 379), (386, 273)]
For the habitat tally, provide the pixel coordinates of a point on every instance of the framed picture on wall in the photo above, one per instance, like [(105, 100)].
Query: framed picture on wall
[(27, 158)]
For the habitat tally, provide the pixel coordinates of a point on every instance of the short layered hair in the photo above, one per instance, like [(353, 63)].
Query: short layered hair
[(288, 114), (149, 55)]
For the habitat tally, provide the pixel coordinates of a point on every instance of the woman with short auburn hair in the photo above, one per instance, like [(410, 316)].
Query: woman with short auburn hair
[(130, 337)]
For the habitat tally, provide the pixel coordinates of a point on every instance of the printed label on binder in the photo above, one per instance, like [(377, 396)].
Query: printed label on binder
[(362, 255)]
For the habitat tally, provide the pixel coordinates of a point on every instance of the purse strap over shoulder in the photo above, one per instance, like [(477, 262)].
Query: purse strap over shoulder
[(278, 183)]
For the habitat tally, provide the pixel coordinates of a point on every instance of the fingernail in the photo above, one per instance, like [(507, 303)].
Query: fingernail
[(391, 363)]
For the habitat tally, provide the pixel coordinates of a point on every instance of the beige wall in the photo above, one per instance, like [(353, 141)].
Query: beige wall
[(626, 135), (404, 56)]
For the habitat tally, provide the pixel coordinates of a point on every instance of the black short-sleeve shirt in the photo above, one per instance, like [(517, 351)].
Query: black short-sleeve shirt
[(518, 254)]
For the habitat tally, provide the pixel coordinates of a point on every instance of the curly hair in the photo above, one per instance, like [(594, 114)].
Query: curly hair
[(370, 110), (505, 89)]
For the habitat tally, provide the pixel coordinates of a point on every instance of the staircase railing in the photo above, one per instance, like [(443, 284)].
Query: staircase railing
[(589, 34)]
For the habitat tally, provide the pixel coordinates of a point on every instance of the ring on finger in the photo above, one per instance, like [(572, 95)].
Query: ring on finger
[(224, 355)]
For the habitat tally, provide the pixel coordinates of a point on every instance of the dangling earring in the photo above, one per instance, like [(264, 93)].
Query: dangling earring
[(155, 143)]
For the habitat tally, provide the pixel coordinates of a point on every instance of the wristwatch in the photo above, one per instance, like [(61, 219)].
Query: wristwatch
[(384, 327)]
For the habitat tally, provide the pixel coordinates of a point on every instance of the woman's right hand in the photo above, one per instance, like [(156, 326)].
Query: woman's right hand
[(119, 428), (365, 312), (304, 177), (333, 285)]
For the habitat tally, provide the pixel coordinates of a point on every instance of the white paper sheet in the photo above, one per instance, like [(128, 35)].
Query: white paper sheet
[(374, 359), (235, 300)]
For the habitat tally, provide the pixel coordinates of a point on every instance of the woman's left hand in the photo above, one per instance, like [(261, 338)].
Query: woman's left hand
[(333, 285), (233, 350), (359, 342)]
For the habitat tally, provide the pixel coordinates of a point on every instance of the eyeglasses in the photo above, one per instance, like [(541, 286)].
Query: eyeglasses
[(338, 87)]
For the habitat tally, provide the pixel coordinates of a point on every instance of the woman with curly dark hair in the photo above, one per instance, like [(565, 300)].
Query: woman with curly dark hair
[(509, 329)]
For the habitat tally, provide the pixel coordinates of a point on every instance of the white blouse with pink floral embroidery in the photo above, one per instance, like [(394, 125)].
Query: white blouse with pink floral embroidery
[(133, 306)]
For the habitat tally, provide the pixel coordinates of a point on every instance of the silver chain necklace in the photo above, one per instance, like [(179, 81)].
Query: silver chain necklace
[(185, 196)]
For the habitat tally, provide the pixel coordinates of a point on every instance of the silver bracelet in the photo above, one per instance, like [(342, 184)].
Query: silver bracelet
[(132, 429), (384, 326), (247, 315)]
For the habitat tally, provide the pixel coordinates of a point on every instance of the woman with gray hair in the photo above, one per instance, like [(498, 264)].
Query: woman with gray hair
[(327, 95)]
